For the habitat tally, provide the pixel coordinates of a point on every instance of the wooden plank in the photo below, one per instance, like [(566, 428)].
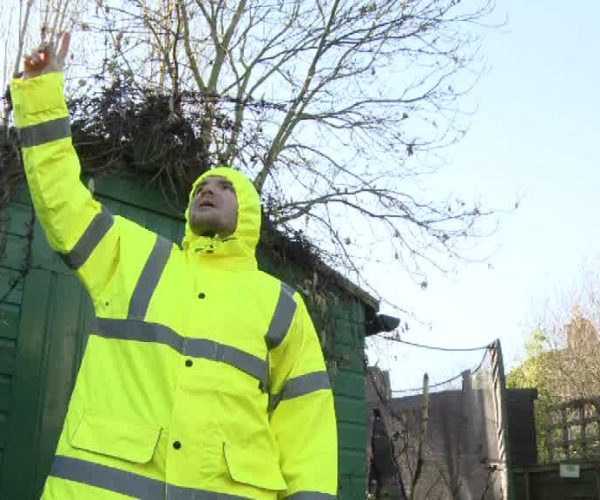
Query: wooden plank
[(350, 409), (22, 195), (15, 253), (352, 461), (18, 480), (9, 320), (43, 256), (352, 487), (349, 384), (18, 219), (348, 358), (65, 336), (544, 483), (11, 285), (8, 351), (5, 391), (142, 194), (50, 349), (352, 436), (3, 428)]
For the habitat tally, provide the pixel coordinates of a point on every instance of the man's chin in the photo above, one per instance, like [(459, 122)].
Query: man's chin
[(203, 228)]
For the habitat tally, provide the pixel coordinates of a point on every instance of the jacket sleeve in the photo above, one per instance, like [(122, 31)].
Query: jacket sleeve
[(302, 412), (83, 233)]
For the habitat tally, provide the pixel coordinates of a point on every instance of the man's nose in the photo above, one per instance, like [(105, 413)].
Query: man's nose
[(207, 189)]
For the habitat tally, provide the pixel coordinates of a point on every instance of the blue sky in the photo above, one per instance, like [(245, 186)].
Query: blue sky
[(533, 138)]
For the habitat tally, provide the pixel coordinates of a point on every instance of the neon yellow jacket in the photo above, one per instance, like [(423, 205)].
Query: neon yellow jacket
[(203, 377)]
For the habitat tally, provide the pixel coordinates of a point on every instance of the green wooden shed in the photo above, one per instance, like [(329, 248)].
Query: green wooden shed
[(45, 315)]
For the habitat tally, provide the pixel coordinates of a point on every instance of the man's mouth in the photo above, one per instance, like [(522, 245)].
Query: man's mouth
[(205, 203)]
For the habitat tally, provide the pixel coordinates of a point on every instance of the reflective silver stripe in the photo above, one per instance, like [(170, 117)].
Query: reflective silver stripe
[(282, 318), (124, 329), (181, 493), (311, 495), (34, 135), (108, 478), (128, 483), (248, 363), (89, 240), (300, 386), (140, 299)]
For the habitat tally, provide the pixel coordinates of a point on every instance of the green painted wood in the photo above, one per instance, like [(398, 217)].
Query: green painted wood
[(21, 195), (43, 257), (11, 283), (4, 393), (14, 244), (347, 383), (15, 252), (351, 409), (352, 435), (51, 328), (3, 430), (352, 487), (9, 320), (18, 480), (8, 349), (354, 465), (141, 194), (66, 335), (17, 218)]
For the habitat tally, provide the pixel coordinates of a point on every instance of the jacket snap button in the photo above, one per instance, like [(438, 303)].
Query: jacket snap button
[(201, 295), (176, 445), (189, 362)]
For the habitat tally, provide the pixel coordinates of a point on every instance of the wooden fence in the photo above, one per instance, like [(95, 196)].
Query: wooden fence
[(573, 431), (544, 482)]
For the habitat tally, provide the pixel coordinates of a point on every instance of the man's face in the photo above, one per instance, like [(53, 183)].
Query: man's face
[(214, 208)]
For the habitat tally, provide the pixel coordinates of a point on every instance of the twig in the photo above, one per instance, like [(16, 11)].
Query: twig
[(22, 36)]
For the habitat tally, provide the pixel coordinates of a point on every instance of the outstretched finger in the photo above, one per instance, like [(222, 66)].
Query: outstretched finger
[(63, 47)]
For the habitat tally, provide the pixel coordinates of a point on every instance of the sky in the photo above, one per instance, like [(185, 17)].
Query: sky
[(533, 139)]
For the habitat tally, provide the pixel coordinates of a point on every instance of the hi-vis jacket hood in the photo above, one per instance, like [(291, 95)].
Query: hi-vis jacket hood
[(241, 245), (203, 377)]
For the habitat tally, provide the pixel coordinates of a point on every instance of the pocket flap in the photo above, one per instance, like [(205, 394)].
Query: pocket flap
[(254, 467), (131, 442)]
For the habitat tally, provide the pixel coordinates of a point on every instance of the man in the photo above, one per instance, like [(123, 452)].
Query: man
[(203, 377)]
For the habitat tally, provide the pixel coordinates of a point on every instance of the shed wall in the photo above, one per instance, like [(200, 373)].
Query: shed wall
[(15, 232), (45, 320)]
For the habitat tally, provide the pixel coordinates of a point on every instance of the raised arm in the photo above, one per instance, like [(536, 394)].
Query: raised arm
[(303, 415), (77, 226)]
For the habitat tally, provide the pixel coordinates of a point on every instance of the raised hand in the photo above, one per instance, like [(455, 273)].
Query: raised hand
[(46, 58)]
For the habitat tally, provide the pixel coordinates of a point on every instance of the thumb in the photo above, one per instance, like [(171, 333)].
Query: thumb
[(63, 48)]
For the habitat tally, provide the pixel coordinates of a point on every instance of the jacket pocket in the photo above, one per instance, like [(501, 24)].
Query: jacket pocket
[(254, 467), (132, 442)]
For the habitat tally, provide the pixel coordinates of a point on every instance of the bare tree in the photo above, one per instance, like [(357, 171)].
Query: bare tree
[(29, 23), (336, 108)]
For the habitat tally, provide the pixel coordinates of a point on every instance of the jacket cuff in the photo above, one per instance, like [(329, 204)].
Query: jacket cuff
[(38, 100)]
